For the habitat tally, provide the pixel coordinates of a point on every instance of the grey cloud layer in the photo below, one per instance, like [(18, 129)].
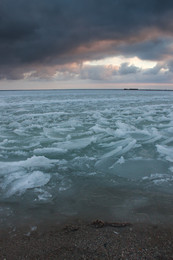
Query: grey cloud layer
[(40, 32), (126, 73)]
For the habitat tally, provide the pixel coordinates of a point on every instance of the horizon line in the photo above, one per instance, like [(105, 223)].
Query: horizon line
[(123, 89)]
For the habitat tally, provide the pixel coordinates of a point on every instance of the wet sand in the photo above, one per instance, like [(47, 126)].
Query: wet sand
[(83, 240)]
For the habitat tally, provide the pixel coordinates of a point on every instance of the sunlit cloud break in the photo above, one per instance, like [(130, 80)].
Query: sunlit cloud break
[(91, 42)]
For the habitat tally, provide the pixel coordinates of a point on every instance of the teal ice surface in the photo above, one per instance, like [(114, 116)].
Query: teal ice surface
[(86, 152)]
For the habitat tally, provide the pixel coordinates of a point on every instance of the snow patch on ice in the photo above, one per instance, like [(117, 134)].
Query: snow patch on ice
[(158, 178), (27, 181), (166, 152)]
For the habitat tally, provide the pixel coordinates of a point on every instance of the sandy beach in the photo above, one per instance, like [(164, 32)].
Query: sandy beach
[(85, 240)]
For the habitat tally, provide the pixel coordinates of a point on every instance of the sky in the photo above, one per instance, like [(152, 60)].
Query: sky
[(86, 44)]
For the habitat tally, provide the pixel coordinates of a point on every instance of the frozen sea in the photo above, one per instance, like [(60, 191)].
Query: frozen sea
[(86, 154)]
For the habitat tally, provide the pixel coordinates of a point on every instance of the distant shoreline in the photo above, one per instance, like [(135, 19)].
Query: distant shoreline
[(95, 89)]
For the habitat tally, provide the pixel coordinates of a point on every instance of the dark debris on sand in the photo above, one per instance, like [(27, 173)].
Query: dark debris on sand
[(97, 240)]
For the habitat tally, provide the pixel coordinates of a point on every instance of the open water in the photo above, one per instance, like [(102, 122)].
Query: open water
[(86, 153)]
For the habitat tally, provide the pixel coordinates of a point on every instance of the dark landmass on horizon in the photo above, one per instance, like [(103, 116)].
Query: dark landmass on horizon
[(123, 89)]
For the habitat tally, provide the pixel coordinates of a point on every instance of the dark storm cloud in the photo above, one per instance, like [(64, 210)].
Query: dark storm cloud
[(39, 32), (107, 72), (153, 49), (126, 69), (170, 65)]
